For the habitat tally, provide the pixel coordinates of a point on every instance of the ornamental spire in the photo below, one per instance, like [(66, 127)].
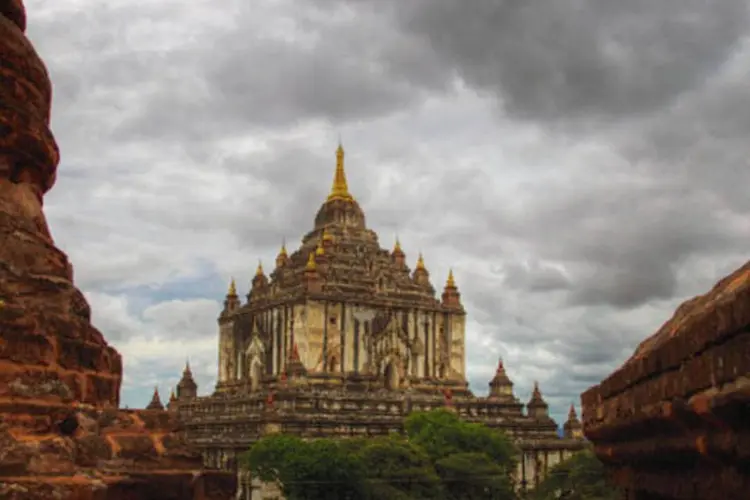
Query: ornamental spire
[(450, 282), (420, 263), (311, 262), (340, 189), (232, 289), (259, 269)]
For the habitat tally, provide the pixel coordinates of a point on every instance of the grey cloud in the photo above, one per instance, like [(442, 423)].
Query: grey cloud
[(534, 276), (237, 73), (579, 58), (192, 139)]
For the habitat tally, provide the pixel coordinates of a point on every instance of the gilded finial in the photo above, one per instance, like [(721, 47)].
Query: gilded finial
[(232, 288), (311, 262), (420, 263), (450, 282), (282, 252), (259, 269), (319, 250), (340, 188), (326, 235), (397, 246)]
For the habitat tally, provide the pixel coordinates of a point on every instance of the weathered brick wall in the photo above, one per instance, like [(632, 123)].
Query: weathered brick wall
[(674, 421), (61, 434)]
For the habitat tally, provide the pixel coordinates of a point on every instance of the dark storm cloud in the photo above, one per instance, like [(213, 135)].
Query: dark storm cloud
[(194, 134), (212, 78), (649, 73), (579, 58)]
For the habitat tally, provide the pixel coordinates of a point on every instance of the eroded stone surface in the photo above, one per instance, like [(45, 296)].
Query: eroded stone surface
[(61, 434), (674, 420)]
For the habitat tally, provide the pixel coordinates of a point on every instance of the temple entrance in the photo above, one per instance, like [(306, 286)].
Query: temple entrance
[(256, 372), (391, 376), (333, 365)]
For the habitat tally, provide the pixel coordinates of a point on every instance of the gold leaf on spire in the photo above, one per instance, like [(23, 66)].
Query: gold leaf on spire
[(420, 263), (450, 282), (311, 266), (340, 188), (397, 246)]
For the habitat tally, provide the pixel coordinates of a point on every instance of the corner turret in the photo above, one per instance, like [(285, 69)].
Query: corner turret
[(572, 429), (259, 283), (283, 257), (155, 403), (537, 407), (232, 300), (312, 277), (187, 388), (399, 257), (172, 403), (451, 296), (501, 386), (421, 276)]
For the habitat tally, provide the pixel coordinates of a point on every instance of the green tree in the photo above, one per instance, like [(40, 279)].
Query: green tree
[(319, 469), (440, 457), (398, 469), (581, 477), (472, 460)]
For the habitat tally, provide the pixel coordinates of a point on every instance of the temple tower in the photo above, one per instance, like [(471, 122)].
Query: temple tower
[(351, 308)]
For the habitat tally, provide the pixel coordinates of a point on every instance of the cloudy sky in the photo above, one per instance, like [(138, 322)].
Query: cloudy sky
[(581, 164)]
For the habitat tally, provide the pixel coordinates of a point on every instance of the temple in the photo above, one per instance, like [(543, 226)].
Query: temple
[(341, 339)]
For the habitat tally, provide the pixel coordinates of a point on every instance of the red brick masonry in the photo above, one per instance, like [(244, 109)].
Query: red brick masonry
[(674, 421), (61, 433)]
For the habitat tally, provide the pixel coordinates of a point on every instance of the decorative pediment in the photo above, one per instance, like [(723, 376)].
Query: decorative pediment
[(256, 349), (390, 327)]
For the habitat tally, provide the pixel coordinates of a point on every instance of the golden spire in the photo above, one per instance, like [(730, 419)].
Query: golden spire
[(397, 246), (420, 263), (282, 252), (310, 262), (450, 283), (319, 250), (326, 235), (232, 288), (340, 189), (259, 269)]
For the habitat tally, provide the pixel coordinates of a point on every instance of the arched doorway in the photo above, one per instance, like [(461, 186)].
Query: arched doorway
[(333, 364), (391, 376), (256, 372)]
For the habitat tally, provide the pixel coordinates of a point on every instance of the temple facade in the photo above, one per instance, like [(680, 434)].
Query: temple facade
[(342, 339)]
